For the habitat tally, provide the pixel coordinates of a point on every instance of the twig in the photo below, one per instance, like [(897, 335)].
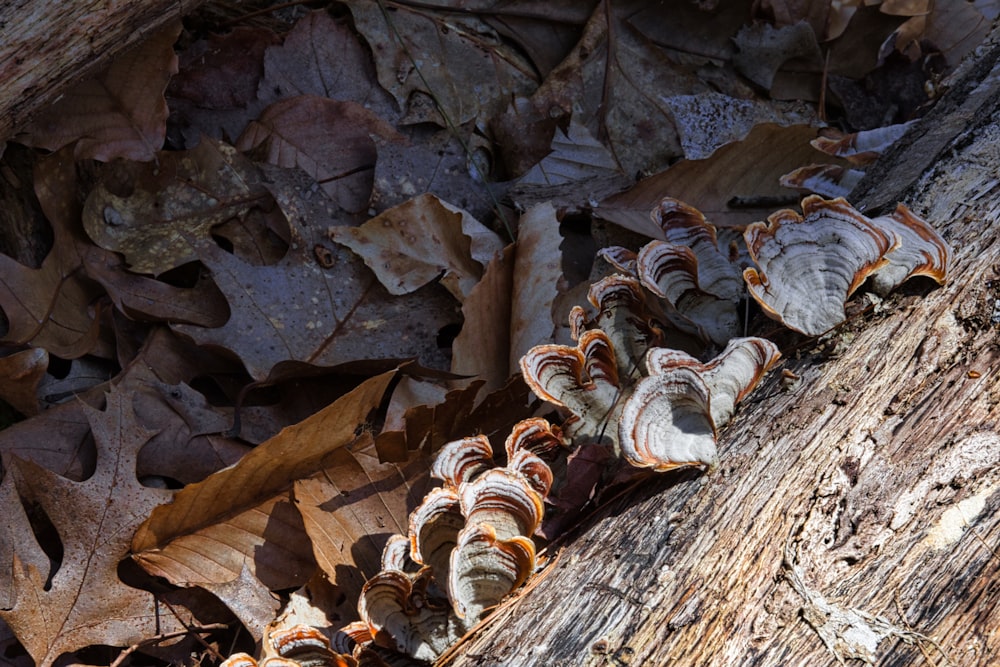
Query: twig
[(165, 636)]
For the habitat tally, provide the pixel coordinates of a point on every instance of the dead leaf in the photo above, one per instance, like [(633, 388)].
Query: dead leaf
[(482, 347), (50, 306), (423, 414), (429, 58), (144, 298), (438, 161), (214, 92), (738, 184), (323, 56), (354, 505), (763, 49), (83, 602), (190, 442), (119, 114), (155, 214), (411, 244), (241, 514), (58, 439), (20, 374), (318, 305), (537, 277), (327, 139), (579, 170)]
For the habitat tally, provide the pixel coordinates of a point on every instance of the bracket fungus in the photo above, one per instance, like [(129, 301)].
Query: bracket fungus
[(921, 251), (809, 265), (622, 315), (460, 461), (671, 272), (297, 646), (472, 537), (684, 225), (401, 615), (698, 284), (673, 416), (582, 379), (485, 568)]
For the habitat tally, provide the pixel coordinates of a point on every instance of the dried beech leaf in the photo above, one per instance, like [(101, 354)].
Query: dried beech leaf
[(482, 348), (537, 275), (210, 529), (119, 114), (810, 264), (735, 186), (329, 140), (411, 244), (352, 506), (20, 374), (84, 602)]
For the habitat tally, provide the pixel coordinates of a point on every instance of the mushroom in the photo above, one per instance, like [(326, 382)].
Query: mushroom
[(921, 251), (671, 272), (302, 645), (433, 529), (810, 264), (672, 418), (401, 616), (297, 646), (685, 225), (484, 569), (582, 379), (396, 555), (622, 259), (667, 422), (504, 500), (622, 315), (535, 435), (461, 460), (730, 376)]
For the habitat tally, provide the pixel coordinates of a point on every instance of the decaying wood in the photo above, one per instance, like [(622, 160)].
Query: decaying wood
[(47, 46), (855, 516)]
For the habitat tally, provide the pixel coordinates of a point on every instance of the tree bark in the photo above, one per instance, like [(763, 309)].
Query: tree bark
[(47, 46), (855, 515)]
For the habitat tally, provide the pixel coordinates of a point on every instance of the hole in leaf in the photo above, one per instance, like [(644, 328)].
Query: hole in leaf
[(46, 535), (446, 335)]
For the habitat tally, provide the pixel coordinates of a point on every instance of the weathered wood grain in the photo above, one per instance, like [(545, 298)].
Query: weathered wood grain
[(47, 46), (855, 516)]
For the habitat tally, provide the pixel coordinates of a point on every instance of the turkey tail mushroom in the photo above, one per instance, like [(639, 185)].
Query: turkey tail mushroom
[(921, 251), (672, 418), (810, 264)]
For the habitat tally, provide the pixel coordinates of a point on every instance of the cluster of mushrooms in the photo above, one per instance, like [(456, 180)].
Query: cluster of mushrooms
[(625, 385)]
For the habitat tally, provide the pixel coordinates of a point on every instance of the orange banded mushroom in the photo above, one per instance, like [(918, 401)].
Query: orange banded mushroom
[(810, 264)]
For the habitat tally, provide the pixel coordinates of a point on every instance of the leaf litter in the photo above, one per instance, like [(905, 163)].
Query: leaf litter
[(290, 260)]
